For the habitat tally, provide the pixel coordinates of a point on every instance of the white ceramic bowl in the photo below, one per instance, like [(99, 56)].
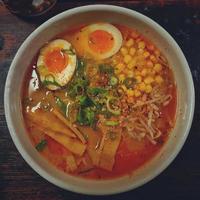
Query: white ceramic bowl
[(90, 14)]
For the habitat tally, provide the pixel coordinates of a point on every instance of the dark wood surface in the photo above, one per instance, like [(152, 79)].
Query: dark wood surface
[(181, 180)]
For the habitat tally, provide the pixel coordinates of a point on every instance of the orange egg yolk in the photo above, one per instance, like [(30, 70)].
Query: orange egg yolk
[(56, 61), (100, 41)]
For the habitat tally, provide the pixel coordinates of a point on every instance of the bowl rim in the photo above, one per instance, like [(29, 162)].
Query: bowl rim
[(30, 161)]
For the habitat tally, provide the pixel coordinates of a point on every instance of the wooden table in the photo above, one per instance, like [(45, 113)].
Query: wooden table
[(181, 180)]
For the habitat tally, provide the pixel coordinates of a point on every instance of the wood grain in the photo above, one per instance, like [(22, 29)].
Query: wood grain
[(181, 180)]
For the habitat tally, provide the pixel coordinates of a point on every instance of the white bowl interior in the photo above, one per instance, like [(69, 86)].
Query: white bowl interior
[(90, 14)]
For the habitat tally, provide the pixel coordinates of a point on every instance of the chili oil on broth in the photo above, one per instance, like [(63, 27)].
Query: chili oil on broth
[(135, 83)]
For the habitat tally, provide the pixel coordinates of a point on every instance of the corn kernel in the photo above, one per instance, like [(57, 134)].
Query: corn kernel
[(144, 72), (137, 93), (120, 66), (137, 72), (138, 57), (157, 67), (117, 71), (129, 43), (146, 54), (132, 51), (153, 58), (124, 88), (124, 51), (130, 73), (148, 88), (127, 58), (141, 45), (149, 63), (129, 66), (158, 79), (148, 80), (149, 71), (138, 78), (114, 61), (132, 64), (130, 92), (140, 51), (142, 86), (121, 77)]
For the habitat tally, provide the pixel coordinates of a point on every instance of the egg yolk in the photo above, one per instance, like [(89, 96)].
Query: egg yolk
[(56, 61), (100, 41)]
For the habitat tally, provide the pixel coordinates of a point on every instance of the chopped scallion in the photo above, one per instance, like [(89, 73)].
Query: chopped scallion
[(41, 145), (68, 51), (50, 80), (109, 106), (111, 123), (113, 81)]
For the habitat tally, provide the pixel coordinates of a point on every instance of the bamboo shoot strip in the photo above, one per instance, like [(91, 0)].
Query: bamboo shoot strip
[(72, 144), (69, 125), (49, 122), (108, 153)]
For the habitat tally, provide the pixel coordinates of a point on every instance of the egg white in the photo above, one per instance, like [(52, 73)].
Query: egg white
[(63, 77), (116, 34)]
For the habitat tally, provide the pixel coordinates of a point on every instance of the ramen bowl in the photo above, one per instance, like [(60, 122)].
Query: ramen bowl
[(91, 14)]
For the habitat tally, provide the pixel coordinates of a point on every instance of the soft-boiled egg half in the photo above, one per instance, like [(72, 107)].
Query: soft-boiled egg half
[(56, 64), (100, 40)]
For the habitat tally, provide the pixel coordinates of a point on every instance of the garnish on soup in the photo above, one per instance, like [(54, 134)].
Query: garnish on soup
[(99, 101)]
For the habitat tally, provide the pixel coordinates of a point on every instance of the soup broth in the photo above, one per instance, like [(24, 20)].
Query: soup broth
[(99, 101)]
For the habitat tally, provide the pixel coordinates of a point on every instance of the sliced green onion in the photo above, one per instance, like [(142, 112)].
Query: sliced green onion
[(81, 64), (96, 90), (111, 123), (76, 90), (110, 109), (68, 51), (85, 101), (120, 91), (86, 116), (113, 81), (50, 80), (41, 145)]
